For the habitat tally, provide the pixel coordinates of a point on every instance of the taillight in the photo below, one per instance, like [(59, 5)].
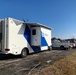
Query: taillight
[(7, 49)]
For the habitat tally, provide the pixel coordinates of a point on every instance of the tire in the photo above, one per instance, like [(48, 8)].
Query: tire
[(49, 48), (62, 47), (69, 48), (24, 53)]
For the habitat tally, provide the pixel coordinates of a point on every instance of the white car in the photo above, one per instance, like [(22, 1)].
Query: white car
[(61, 45)]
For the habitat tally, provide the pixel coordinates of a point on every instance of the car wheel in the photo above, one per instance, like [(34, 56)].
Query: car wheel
[(62, 48)]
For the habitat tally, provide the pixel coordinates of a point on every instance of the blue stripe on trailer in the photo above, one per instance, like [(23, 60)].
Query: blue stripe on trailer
[(43, 40), (27, 34), (36, 48)]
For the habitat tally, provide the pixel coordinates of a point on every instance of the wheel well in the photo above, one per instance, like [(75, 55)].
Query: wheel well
[(61, 46)]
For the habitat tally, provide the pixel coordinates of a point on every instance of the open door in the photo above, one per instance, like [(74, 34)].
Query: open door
[(35, 36)]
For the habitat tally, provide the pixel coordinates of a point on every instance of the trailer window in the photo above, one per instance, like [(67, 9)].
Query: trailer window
[(34, 32)]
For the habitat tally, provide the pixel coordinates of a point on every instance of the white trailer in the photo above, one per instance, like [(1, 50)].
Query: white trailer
[(18, 37)]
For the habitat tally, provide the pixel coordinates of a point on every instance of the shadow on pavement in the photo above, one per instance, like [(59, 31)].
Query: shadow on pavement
[(8, 56)]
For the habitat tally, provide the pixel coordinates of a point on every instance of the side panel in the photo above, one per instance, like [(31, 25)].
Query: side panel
[(45, 38), (17, 40)]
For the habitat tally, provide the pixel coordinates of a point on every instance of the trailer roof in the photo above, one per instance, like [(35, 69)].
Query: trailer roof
[(38, 25), (32, 24)]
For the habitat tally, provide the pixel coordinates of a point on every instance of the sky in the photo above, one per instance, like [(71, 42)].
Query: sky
[(60, 15)]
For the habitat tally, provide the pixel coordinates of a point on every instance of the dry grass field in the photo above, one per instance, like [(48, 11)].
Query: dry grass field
[(66, 66)]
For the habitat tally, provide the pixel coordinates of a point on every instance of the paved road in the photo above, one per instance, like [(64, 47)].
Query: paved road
[(14, 65)]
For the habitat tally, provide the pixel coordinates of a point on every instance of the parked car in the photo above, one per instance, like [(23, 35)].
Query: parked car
[(61, 44), (73, 44)]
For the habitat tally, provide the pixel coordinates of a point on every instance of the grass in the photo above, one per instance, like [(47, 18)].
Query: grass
[(66, 66)]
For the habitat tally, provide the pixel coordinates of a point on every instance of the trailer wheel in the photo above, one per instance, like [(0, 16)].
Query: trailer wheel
[(49, 48), (62, 47), (24, 53)]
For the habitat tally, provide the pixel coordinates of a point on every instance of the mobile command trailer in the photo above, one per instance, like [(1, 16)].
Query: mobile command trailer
[(17, 37)]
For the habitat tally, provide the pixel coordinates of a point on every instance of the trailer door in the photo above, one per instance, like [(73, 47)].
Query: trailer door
[(35, 36)]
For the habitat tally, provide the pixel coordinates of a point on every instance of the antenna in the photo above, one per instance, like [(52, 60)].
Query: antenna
[(24, 20)]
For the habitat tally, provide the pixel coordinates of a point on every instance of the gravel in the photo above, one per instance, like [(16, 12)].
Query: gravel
[(14, 65)]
